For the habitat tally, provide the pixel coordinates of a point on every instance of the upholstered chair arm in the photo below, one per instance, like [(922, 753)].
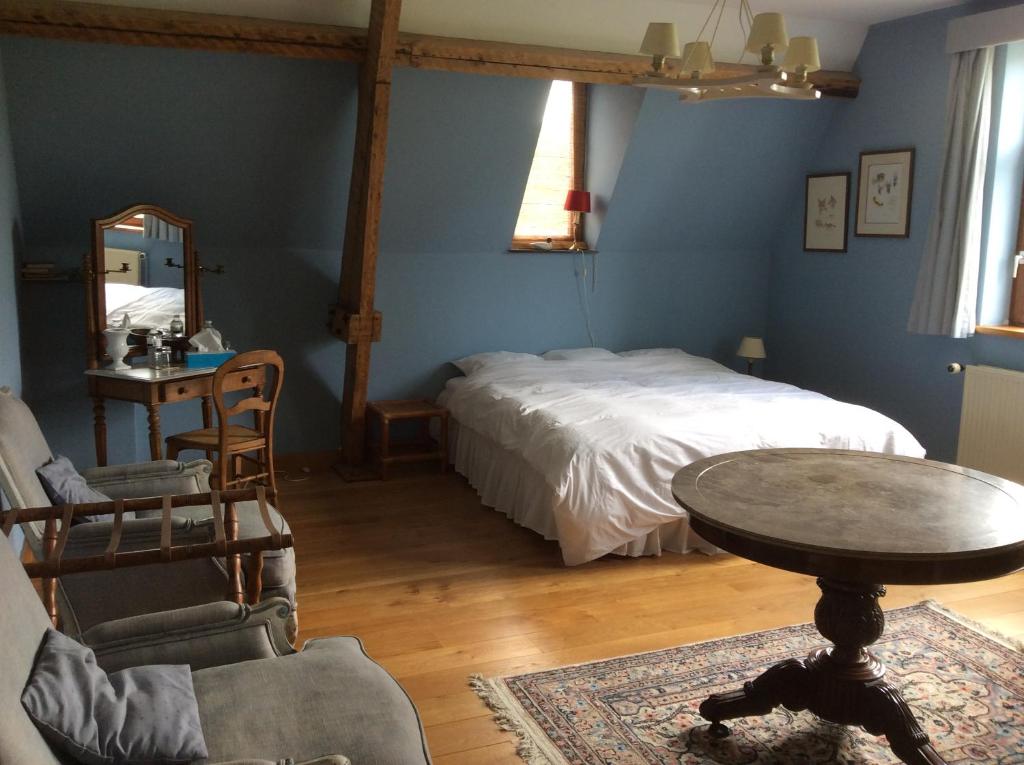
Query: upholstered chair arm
[(328, 759), (202, 636), (150, 479)]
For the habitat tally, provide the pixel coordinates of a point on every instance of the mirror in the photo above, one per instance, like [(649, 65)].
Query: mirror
[(142, 266)]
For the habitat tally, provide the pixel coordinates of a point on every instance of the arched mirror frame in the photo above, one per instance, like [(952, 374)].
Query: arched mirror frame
[(95, 279)]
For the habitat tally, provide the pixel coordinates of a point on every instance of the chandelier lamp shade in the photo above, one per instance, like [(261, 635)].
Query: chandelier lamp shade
[(660, 42), (782, 70)]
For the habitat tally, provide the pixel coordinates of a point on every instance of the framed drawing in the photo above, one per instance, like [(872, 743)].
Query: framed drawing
[(884, 188), (827, 212)]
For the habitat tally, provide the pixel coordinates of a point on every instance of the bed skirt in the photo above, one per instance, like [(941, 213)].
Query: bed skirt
[(510, 485)]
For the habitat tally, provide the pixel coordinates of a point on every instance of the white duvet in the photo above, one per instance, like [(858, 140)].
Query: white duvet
[(148, 307), (608, 435)]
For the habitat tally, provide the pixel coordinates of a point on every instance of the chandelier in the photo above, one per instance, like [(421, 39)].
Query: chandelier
[(765, 35)]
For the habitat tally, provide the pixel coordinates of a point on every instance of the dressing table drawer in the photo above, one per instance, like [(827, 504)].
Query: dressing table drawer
[(184, 390), (245, 378)]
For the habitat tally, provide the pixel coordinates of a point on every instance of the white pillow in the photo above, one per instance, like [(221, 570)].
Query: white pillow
[(478, 361), (654, 352), (578, 354)]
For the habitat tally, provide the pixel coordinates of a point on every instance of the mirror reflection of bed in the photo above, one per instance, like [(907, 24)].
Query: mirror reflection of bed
[(144, 277)]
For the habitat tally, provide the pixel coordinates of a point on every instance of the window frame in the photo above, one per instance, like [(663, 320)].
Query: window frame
[(563, 242)]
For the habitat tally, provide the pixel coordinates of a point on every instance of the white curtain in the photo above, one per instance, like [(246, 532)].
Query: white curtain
[(155, 228), (946, 297)]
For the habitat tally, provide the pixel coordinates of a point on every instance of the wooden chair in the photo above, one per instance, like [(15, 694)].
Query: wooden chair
[(263, 372)]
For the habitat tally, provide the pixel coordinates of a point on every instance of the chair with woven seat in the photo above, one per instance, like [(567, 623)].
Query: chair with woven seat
[(232, 442)]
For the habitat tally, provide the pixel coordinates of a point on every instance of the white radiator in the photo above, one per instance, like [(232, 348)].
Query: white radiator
[(992, 422)]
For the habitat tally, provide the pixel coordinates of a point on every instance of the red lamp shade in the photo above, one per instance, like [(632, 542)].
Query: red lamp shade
[(578, 201)]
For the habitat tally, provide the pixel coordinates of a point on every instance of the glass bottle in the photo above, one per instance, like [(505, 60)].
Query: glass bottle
[(177, 325), (158, 356)]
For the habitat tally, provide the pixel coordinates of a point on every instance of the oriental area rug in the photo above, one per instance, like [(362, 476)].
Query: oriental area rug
[(965, 685)]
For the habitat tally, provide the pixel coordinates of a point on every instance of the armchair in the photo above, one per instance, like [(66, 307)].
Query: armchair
[(260, 701), (84, 601)]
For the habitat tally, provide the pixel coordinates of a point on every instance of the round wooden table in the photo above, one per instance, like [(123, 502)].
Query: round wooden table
[(854, 520)]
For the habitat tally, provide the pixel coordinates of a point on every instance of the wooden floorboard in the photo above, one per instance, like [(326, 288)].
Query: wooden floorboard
[(440, 588)]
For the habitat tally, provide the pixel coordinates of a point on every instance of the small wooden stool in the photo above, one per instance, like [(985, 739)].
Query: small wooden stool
[(387, 412)]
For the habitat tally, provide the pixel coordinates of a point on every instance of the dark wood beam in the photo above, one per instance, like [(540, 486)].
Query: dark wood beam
[(94, 22), (354, 320)]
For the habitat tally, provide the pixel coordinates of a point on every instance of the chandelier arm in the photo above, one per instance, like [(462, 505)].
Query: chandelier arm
[(705, 26), (707, 21), (746, 22), (718, 22)]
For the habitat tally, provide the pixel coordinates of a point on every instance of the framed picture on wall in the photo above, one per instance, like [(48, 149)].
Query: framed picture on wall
[(827, 212), (884, 188)]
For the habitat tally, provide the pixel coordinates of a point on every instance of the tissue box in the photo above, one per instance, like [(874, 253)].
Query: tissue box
[(194, 359)]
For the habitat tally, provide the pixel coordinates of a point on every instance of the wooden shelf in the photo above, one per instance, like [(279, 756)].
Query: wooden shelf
[(1002, 330)]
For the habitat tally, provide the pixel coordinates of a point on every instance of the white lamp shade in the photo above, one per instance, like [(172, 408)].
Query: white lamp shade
[(802, 52), (767, 29), (697, 58), (751, 348), (661, 40)]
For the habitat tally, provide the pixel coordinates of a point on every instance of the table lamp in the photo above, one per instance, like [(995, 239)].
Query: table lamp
[(751, 349), (577, 202)]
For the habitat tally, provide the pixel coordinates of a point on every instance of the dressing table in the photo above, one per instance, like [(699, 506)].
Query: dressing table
[(153, 387), (143, 264)]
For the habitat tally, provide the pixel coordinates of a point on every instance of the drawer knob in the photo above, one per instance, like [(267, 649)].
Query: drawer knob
[(245, 379), (181, 390)]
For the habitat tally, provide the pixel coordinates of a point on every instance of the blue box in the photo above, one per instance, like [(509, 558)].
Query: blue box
[(197, 359)]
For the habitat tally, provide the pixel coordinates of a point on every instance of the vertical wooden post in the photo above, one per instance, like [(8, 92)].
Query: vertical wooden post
[(355, 320), (236, 592)]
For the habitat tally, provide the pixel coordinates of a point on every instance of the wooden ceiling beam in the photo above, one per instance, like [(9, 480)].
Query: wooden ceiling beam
[(93, 22)]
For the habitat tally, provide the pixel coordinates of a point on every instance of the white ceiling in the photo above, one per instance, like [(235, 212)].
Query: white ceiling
[(607, 25)]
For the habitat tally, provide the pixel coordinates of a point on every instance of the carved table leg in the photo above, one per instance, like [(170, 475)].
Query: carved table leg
[(155, 442), (99, 429), (843, 684)]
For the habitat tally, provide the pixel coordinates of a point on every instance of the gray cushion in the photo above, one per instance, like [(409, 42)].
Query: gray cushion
[(146, 715), (64, 486), (329, 699)]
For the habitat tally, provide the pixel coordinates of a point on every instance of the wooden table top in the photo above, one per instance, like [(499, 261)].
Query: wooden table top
[(148, 374), (856, 516)]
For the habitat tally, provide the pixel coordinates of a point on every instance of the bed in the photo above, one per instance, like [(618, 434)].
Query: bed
[(147, 307), (581, 446)]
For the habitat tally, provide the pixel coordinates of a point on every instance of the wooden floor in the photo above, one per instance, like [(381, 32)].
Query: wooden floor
[(439, 588)]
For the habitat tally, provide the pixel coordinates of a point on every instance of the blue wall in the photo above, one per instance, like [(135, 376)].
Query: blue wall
[(10, 243), (838, 321), (459, 153), (257, 150)]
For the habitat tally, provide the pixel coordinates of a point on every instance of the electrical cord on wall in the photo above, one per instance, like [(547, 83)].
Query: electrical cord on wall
[(580, 269)]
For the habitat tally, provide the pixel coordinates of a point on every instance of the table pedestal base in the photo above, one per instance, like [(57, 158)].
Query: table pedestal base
[(843, 684)]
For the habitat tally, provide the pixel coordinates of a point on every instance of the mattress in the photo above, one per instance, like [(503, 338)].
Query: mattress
[(584, 451)]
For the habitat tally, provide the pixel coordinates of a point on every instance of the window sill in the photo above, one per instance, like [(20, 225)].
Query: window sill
[(1002, 330)]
